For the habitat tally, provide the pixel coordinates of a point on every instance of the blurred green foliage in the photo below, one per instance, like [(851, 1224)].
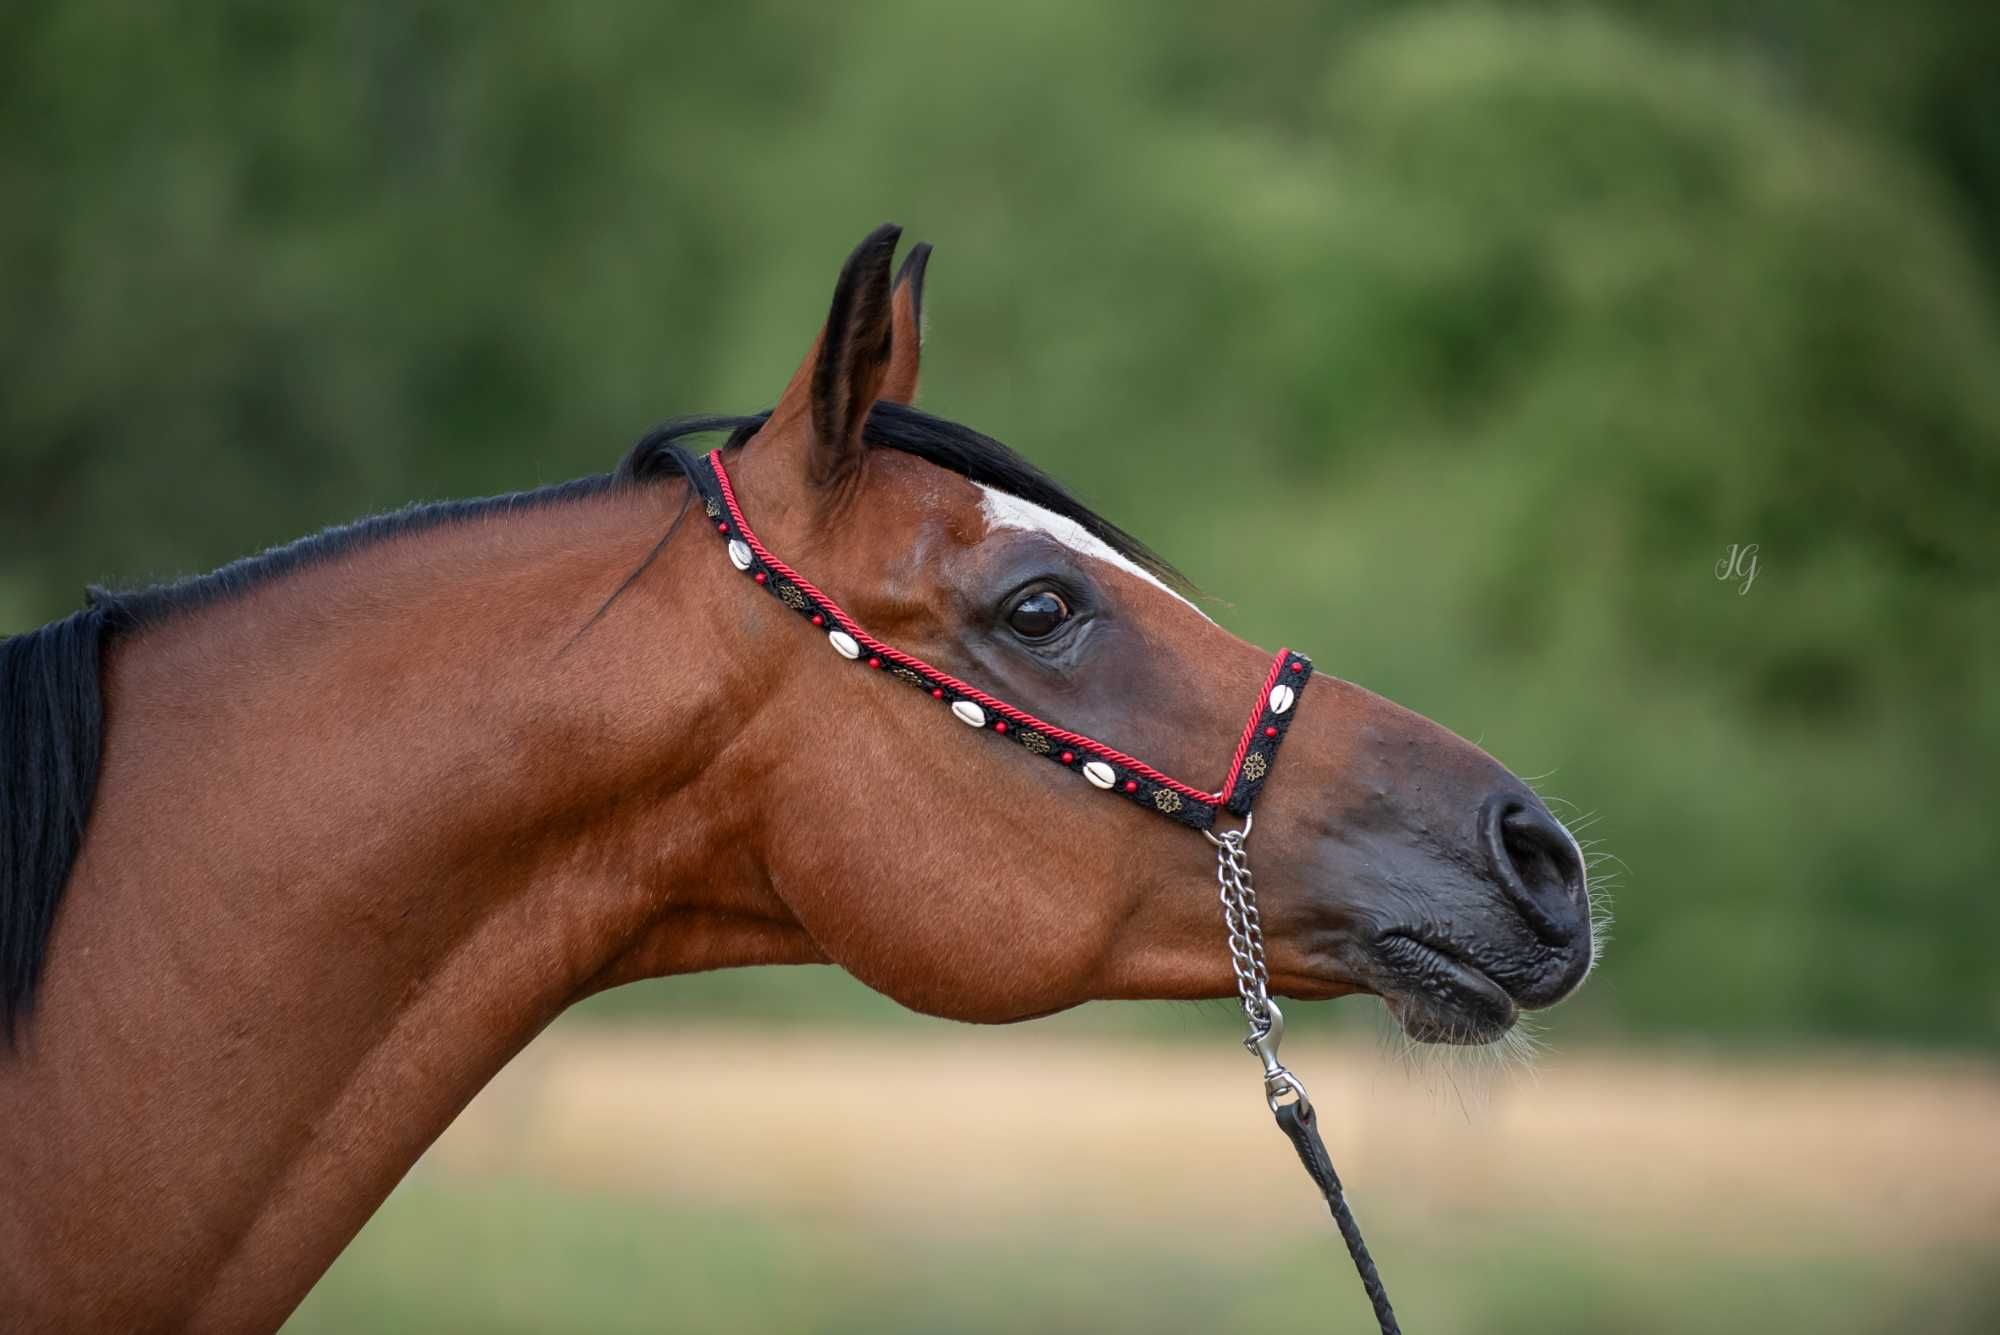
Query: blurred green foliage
[(1506, 322)]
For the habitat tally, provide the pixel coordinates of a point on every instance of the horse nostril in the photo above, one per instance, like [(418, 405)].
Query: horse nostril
[(1538, 865)]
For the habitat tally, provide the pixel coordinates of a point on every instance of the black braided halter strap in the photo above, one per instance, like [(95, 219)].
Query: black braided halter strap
[(1114, 772)]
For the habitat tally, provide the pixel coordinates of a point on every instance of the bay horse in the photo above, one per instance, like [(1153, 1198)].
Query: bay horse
[(295, 856)]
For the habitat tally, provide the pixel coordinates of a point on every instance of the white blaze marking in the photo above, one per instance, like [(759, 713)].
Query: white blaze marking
[(1007, 511)]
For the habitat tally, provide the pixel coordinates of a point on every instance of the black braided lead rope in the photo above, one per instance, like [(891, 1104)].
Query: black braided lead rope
[(1301, 1126)]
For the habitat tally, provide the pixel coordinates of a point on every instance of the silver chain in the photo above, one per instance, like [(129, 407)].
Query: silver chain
[(1246, 933), (1246, 957)]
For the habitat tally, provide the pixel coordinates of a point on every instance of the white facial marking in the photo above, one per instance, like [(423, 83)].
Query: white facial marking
[(1005, 511)]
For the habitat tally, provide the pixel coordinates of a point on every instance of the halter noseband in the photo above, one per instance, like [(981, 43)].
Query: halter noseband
[(1114, 772)]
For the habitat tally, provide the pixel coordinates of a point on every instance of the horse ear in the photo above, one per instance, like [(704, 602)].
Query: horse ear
[(906, 306), (843, 375)]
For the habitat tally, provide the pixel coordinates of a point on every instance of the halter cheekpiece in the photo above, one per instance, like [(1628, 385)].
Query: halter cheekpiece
[(1102, 766), (1112, 771)]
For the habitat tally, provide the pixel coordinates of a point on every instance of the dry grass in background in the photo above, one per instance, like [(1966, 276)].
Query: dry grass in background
[(741, 1178)]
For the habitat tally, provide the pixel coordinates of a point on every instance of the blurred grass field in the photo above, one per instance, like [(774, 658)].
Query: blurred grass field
[(1059, 1178), (505, 1256)]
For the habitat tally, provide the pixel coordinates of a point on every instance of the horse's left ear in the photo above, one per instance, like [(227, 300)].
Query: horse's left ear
[(849, 364), (906, 307)]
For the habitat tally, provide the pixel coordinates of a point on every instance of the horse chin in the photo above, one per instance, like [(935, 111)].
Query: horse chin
[(1426, 1022), (1440, 997)]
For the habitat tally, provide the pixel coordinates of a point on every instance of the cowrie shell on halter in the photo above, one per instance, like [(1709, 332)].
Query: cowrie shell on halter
[(1100, 774), (971, 715), (843, 644), (739, 553), (1281, 698)]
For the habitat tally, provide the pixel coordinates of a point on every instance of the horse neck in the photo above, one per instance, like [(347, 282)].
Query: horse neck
[(359, 834)]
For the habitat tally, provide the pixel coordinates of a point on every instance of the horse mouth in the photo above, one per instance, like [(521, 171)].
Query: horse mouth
[(1438, 995)]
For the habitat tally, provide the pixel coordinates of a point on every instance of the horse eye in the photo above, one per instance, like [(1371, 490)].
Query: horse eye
[(1039, 615)]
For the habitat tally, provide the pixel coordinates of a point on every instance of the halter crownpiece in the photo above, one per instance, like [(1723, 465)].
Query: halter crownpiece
[(1112, 771), (1102, 766)]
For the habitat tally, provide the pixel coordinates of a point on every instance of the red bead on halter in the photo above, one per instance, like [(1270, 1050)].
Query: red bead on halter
[(937, 693), (1069, 757), (1271, 731), (1131, 785), (818, 620), (722, 528), (1298, 666), (760, 577), (874, 662), (1000, 726)]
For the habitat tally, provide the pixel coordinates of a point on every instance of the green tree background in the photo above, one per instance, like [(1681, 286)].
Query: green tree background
[(1506, 322)]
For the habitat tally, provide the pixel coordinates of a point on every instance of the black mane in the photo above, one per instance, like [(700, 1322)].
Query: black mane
[(51, 730), (52, 713)]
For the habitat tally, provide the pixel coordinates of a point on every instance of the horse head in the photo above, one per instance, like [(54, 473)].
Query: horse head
[(1394, 857)]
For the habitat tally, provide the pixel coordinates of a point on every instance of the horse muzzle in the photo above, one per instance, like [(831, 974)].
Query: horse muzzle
[(1460, 936)]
